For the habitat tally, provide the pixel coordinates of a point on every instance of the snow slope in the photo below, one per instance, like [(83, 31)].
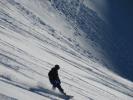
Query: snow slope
[(34, 36)]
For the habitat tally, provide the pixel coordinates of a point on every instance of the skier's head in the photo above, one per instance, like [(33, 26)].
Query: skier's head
[(57, 67)]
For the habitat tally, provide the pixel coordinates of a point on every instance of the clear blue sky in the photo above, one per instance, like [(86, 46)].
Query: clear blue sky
[(120, 15)]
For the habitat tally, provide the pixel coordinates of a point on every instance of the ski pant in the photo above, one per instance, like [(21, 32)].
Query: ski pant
[(56, 84), (59, 88)]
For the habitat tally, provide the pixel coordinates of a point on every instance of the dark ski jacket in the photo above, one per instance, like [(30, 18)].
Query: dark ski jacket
[(53, 76)]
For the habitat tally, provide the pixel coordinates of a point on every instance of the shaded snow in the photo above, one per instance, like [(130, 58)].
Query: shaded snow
[(4, 97)]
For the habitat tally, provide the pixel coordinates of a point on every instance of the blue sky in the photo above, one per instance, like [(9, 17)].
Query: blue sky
[(120, 15)]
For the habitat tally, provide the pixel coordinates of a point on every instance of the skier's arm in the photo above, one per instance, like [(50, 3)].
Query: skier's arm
[(58, 78)]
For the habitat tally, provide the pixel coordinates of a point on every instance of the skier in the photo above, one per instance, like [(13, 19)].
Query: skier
[(54, 78)]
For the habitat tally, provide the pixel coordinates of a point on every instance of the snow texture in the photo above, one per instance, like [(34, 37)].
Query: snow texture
[(3, 97)]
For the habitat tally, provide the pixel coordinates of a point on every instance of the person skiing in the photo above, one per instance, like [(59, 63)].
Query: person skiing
[(54, 78)]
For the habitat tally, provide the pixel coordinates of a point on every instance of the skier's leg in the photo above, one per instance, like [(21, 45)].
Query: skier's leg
[(60, 89)]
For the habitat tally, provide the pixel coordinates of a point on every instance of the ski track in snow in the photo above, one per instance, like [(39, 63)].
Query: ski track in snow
[(31, 43)]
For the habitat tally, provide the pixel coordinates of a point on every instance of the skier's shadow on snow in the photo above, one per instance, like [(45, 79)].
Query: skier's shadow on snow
[(45, 92)]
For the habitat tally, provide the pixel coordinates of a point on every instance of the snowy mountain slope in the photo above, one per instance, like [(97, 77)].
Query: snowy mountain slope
[(96, 30), (34, 36)]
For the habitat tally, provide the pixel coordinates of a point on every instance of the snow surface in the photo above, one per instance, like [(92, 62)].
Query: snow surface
[(34, 36), (3, 97)]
